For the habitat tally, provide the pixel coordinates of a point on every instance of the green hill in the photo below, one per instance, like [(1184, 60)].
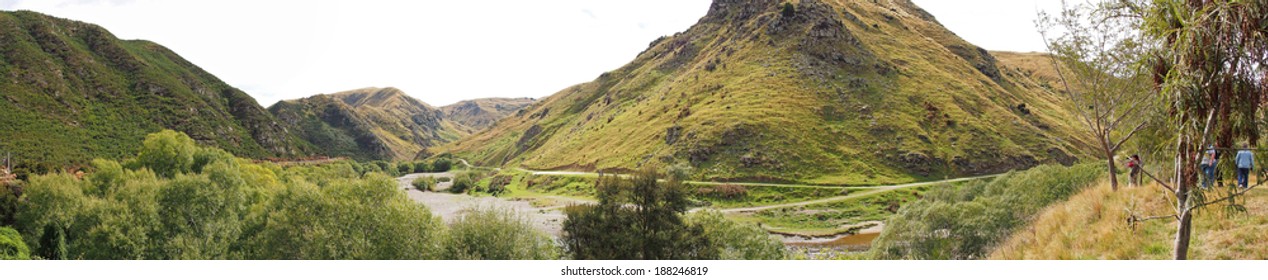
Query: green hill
[(820, 91), (479, 114), (369, 123), (72, 91)]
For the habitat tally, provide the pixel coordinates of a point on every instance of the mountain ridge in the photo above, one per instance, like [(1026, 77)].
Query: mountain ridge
[(829, 92)]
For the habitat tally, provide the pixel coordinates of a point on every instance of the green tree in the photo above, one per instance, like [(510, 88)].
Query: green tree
[(1208, 68), (497, 234), (11, 245), (737, 240), (651, 229), (167, 153), (1099, 59), (52, 208)]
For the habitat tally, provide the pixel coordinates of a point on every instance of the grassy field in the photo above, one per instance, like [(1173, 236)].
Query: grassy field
[(1092, 225)]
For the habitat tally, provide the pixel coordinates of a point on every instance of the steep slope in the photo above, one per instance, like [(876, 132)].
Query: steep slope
[(479, 114), (824, 91), (369, 123), (72, 91)]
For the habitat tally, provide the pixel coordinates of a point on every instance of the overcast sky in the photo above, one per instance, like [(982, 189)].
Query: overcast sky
[(446, 51)]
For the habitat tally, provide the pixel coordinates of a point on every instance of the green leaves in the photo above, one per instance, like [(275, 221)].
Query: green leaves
[(167, 153), (650, 228), (498, 234), (11, 245), (964, 222)]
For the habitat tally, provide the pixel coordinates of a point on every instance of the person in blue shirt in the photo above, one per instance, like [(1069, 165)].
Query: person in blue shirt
[(1208, 166), (1245, 162)]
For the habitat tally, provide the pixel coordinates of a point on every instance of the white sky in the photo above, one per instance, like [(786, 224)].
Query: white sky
[(442, 52)]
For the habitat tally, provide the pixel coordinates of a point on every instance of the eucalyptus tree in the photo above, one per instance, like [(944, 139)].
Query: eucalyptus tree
[(1209, 68)]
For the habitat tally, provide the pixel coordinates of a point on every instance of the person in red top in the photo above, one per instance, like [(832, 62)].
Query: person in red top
[(1133, 164)]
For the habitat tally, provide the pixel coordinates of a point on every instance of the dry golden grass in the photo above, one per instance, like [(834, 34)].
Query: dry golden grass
[(1093, 225)]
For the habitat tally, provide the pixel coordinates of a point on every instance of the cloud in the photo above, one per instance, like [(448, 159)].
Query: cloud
[(8, 4), (590, 13)]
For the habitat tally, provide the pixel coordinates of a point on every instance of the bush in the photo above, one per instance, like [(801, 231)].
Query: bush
[(466, 181), (737, 240), (444, 179), (441, 165), (497, 234), (966, 221), (422, 166), (788, 10), (425, 183), (724, 191), (8, 204), (404, 168), (167, 153), (228, 209), (11, 245)]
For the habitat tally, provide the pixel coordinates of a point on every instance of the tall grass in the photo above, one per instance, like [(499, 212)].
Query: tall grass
[(1093, 225)]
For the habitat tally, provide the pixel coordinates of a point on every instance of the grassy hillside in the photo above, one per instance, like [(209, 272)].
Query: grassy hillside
[(370, 123), (829, 92), (479, 114), (1093, 225), (71, 91)]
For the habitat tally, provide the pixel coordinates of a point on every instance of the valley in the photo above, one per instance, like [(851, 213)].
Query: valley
[(768, 129)]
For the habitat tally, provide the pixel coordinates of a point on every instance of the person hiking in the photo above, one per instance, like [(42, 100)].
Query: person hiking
[(1208, 166), (1133, 164), (1245, 162)]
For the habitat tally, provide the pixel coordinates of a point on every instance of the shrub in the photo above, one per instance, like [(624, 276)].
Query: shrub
[(422, 166), (441, 165), (404, 168), (425, 183), (167, 153), (497, 234), (724, 191), (737, 240), (788, 10), (444, 179), (228, 209), (11, 245), (966, 221), (8, 204), (462, 182)]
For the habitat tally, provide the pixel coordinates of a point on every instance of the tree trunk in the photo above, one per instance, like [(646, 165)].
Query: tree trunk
[(1183, 234), (1113, 169)]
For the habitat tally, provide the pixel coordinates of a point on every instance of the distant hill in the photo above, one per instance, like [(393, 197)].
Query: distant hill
[(386, 123), (478, 114), (823, 91), (72, 91)]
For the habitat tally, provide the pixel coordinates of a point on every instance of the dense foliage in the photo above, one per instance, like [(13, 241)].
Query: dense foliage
[(965, 222), (177, 200), (736, 240), (11, 245), (652, 229)]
